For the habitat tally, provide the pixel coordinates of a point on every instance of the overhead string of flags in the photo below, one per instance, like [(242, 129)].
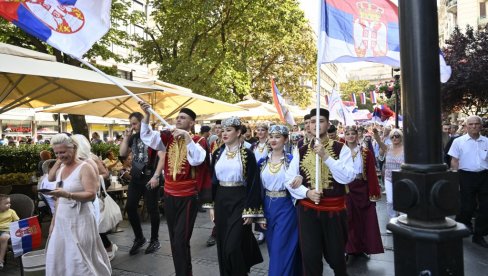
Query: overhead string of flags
[(71, 26)]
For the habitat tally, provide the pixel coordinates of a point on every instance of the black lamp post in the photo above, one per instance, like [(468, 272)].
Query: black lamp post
[(425, 241)]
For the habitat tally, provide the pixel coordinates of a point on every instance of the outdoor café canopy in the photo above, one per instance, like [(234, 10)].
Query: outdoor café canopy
[(256, 110), (32, 79), (166, 103)]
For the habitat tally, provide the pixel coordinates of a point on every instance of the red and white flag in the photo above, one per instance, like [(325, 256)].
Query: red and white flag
[(372, 94), (280, 104), (363, 97)]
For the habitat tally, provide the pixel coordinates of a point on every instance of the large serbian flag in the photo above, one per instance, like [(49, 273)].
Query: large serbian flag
[(25, 235), (71, 26), (279, 102), (362, 30)]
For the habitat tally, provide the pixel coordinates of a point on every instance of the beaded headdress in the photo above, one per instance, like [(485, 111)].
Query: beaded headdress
[(279, 129), (231, 121)]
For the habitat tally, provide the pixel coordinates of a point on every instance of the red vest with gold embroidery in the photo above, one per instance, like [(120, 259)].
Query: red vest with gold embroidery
[(180, 178), (332, 192)]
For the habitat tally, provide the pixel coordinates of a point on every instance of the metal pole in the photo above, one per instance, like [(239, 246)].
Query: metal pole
[(425, 241)]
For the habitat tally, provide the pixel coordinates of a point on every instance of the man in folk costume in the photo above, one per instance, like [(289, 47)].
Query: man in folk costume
[(322, 217), (217, 131), (187, 175), (307, 134)]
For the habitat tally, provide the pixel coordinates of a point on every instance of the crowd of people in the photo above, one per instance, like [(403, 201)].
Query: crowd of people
[(257, 188)]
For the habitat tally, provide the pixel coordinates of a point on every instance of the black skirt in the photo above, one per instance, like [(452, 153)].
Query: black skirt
[(237, 247)]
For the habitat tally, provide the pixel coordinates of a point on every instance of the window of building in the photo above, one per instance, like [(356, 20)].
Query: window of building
[(483, 10), (124, 74), (139, 31), (137, 6)]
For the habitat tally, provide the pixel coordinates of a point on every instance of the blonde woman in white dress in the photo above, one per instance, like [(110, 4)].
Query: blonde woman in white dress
[(74, 248)]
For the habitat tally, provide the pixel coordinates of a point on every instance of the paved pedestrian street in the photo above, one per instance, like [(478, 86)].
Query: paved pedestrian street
[(204, 259)]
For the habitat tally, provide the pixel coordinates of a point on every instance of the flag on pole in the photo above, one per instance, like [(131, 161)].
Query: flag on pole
[(327, 100), (353, 99), (372, 94), (279, 102), (25, 235), (363, 97), (71, 26), (338, 111), (353, 31)]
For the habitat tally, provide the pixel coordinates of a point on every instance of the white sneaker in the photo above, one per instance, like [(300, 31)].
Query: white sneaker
[(111, 254)]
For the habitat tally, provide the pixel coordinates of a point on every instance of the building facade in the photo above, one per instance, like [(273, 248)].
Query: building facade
[(460, 13)]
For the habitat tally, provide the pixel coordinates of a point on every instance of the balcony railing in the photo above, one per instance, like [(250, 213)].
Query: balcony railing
[(451, 6)]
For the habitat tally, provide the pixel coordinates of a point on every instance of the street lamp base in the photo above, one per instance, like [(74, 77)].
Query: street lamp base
[(428, 251)]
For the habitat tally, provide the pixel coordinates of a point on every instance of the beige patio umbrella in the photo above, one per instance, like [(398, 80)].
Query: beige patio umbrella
[(166, 103), (256, 111), (32, 79)]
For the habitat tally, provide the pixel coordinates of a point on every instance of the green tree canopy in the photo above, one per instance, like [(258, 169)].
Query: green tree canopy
[(467, 89), (229, 49)]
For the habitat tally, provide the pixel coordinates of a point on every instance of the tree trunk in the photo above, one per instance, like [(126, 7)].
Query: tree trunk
[(78, 123)]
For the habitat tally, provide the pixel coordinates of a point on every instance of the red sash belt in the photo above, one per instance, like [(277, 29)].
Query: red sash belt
[(327, 204), (180, 188)]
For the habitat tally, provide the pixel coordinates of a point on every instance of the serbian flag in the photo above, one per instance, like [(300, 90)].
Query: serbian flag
[(362, 30), (362, 95), (25, 235), (71, 26), (279, 102), (327, 100), (372, 94), (353, 99)]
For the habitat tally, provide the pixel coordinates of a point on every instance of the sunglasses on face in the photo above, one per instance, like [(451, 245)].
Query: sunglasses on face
[(396, 136)]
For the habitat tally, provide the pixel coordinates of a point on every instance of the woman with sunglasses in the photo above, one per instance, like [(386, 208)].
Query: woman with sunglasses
[(364, 236), (237, 202), (279, 210), (393, 155), (75, 248)]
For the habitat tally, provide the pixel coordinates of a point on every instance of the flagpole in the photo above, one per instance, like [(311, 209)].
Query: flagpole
[(123, 88), (317, 131)]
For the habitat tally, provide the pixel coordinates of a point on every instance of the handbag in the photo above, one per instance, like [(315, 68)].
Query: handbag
[(110, 214)]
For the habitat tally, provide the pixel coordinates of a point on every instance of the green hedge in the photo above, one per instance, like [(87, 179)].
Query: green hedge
[(23, 159)]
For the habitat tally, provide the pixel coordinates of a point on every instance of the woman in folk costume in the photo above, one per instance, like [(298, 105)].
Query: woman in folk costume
[(237, 202), (279, 209), (363, 231), (261, 147)]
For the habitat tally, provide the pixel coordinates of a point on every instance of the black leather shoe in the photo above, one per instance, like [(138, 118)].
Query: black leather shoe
[(479, 240), (211, 241), (138, 243), (153, 247)]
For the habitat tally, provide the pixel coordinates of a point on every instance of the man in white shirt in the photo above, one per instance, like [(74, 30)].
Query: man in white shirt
[(470, 157), (186, 177), (323, 211)]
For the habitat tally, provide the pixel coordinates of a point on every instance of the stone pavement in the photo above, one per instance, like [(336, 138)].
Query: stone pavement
[(205, 258)]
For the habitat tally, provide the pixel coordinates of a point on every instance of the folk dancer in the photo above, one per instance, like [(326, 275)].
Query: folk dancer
[(237, 202), (279, 208), (307, 137), (186, 175), (322, 217), (364, 236)]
